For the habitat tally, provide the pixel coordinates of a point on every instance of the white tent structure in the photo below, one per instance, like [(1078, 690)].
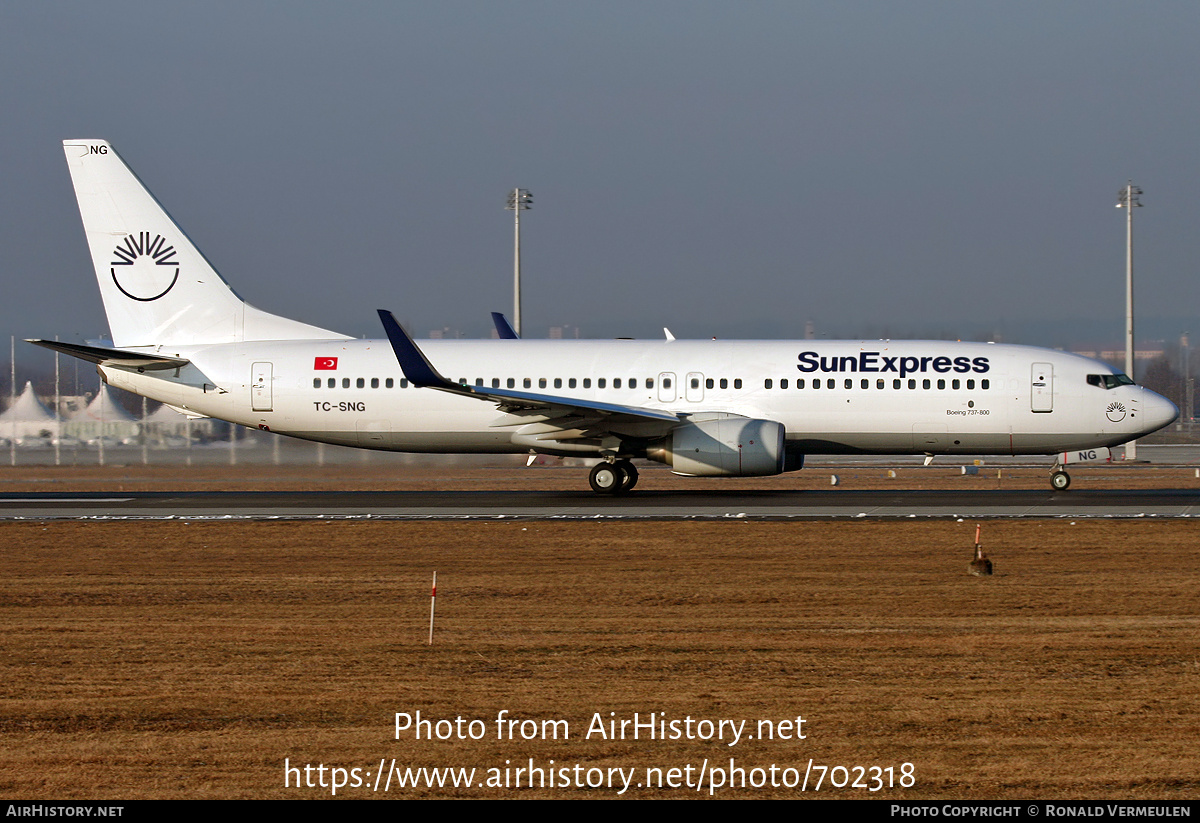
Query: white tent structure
[(28, 419), (164, 422), (102, 418)]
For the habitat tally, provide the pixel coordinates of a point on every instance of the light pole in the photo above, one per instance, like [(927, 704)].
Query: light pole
[(518, 201), (1127, 199), (1185, 393)]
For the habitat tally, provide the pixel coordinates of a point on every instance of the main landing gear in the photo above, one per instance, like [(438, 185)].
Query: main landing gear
[(617, 477)]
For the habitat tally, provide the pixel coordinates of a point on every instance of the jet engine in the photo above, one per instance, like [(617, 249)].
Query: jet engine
[(723, 445)]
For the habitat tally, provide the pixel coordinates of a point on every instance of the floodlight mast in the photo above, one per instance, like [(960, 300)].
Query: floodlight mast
[(518, 201), (1127, 198)]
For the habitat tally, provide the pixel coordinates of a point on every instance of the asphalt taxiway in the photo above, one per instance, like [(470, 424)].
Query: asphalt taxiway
[(582, 505)]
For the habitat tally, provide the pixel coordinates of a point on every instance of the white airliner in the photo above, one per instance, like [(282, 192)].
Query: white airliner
[(711, 408)]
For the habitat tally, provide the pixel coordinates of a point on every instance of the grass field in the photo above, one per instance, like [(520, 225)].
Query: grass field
[(175, 659)]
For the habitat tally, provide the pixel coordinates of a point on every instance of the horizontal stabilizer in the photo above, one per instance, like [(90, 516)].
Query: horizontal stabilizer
[(113, 357), (188, 413)]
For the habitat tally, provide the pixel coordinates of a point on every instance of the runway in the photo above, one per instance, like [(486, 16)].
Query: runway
[(642, 505)]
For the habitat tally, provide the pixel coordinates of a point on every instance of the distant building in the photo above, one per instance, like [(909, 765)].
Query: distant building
[(1149, 351)]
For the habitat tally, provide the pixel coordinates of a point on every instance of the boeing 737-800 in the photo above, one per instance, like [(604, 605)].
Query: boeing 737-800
[(712, 408)]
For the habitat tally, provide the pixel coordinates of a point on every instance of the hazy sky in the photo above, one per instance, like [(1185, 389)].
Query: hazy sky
[(735, 168)]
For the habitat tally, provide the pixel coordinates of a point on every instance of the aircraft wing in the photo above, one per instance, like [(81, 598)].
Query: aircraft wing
[(565, 417), (102, 356)]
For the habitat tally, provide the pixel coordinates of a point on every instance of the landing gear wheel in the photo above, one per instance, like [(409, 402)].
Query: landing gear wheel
[(1060, 480), (607, 478), (631, 475)]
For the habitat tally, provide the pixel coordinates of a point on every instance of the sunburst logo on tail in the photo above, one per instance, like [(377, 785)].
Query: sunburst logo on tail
[(150, 268)]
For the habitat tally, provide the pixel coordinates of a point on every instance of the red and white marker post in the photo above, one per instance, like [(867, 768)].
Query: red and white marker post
[(432, 602)]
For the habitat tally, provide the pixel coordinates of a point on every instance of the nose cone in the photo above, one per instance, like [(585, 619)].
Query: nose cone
[(1157, 411)]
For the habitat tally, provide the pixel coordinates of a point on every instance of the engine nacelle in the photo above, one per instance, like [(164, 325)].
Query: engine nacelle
[(724, 445)]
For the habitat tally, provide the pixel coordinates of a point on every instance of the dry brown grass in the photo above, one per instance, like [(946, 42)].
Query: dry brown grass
[(189, 660)]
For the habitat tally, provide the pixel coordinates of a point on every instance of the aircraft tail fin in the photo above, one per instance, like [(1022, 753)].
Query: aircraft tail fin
[(158, 289)]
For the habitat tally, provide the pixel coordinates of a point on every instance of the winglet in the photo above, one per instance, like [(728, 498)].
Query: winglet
[(503, 327), (416, 367)]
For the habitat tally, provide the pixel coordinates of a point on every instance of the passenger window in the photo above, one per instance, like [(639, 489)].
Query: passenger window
[(985, 384), (360, 383), (541, 382), (783, 383), (558, 382), (600, 383), (331, 383), (571, 383), (912, 384), (587, 382), (495, 382), (374, 382), (527, 383), (404, 382), (649, 382), (633, 382), (316, 382), (849, 383), (737, 383), (724, 383), (800, 383), (478, 381), (512, 383), (345, 382), (387, 384), (830, 383), (895, 384), (767, 383), (866, 384), (956, 384), (879, 383), (970, 385), (616, 382), (941, 384)]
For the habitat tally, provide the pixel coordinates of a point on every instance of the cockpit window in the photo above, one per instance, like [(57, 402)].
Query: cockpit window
[(1109, 381)]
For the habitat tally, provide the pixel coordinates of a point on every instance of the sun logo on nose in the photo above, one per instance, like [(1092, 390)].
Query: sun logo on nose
[(150, 269), (1115, 411)]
